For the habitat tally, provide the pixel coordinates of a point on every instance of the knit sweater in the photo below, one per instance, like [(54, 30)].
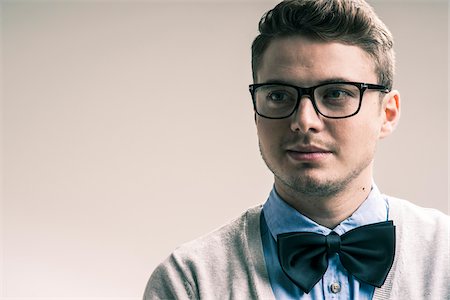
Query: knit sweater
[(229, 262)]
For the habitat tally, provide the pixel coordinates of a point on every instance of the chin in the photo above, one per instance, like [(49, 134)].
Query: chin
[(312, 183)]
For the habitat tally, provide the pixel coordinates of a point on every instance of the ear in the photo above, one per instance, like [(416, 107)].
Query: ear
[(390, 113)]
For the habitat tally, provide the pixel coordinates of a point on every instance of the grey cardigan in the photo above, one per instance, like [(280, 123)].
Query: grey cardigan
[(229, 262)]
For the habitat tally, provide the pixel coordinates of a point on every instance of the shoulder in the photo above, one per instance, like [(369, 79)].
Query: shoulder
[(194, 267), (221, 240), (421, 263), (416, 216), (416, 225)]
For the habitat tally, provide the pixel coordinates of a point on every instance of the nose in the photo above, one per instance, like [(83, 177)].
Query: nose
[(306, 118)]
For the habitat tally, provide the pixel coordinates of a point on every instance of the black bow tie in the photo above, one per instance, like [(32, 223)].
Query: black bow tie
[(367, 252)]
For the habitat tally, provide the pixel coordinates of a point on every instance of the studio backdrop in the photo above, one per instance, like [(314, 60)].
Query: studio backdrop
[(127, 129)]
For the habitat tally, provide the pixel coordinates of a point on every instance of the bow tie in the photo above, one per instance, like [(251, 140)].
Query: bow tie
[(367, 252)]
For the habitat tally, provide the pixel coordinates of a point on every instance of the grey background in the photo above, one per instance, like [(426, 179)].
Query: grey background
[(126, 128)]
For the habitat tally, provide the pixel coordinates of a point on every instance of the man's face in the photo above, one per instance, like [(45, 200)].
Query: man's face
[(308, 153)]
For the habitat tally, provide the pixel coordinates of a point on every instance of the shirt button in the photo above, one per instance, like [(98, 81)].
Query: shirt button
[(335, 288)]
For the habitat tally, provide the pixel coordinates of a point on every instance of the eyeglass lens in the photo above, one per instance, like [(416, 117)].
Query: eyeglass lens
[(332, 100)]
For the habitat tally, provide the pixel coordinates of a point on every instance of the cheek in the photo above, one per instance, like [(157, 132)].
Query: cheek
[(355, 138), (270, 132)]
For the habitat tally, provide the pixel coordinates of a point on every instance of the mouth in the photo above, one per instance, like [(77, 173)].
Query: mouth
[(308, 153)]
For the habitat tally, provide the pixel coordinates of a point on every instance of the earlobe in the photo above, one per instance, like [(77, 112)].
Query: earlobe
[(391, 113)]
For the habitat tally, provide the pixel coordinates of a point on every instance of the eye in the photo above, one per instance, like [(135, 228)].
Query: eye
[(336, 94), (278, 96)]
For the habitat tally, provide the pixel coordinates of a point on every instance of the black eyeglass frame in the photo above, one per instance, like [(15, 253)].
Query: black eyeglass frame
[(309, 91)]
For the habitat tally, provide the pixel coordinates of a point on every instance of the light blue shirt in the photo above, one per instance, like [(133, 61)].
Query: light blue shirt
[(336, 283)]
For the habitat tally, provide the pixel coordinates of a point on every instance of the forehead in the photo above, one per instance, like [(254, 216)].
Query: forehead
[(302, 61)]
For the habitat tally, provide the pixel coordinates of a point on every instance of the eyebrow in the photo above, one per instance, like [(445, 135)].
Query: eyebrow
[(328, 80)]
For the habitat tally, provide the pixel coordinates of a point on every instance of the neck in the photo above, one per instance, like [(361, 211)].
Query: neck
[(328, 211)]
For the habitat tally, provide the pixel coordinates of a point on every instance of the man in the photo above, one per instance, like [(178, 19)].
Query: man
[(323, 97)]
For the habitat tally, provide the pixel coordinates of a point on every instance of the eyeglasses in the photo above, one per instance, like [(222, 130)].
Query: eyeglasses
[(336, 100)]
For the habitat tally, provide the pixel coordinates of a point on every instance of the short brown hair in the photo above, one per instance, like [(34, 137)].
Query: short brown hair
[(351, 22)]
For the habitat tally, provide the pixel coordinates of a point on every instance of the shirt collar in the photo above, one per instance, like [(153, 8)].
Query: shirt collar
[(281, 217)]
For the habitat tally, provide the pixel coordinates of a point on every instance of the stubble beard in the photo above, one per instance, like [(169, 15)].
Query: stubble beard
[(315, 187)]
